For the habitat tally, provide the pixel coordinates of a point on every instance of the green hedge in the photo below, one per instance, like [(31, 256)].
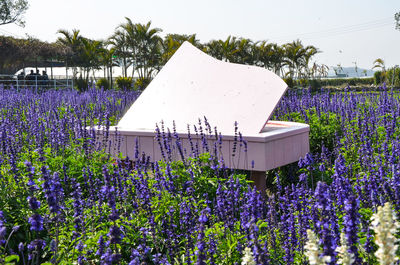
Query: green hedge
[(337, 82)]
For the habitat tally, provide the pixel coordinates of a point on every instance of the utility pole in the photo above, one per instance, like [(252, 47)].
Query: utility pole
[(355, 67)]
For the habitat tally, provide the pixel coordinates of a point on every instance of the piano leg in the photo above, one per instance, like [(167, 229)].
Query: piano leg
[(259, 180)]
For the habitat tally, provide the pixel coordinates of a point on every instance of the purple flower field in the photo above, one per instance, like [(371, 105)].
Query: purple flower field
[(64, 200)]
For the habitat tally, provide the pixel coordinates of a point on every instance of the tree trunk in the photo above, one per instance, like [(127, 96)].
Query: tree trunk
[(111, 79)]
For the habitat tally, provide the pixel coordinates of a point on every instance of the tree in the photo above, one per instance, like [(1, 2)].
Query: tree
[(379, 63), (298, 58), (172, 42), (265, 54), (11, 11), (91, 56), (380, 75), (278, 60), (144, 46), (118, 42), (245, 52), (19, 53), (214, 49), (229, 48), (397, 19), (72, 40), (108, 60)]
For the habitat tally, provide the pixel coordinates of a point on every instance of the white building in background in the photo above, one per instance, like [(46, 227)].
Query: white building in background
[(63, 72), (351, 72)]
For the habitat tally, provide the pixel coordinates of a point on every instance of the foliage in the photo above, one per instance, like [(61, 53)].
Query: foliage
[(316, 84), (15, 53), (144, 45), (11, 11), (298, 58), (81, 84), (141, 83), (379, 63), (313, 84), (289, 82), (325, 129), (124, 82), (140, 49), (65, 200), (379, 77), (393, 76), (172, 42), (103, 83)]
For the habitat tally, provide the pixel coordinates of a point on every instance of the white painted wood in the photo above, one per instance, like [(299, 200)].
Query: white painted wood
[(193, 85), (279, 144)]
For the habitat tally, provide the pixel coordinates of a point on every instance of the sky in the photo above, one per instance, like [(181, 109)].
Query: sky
[(347, 32)]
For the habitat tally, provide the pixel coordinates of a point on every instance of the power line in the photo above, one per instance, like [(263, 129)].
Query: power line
[(341, 30), (6, 32)]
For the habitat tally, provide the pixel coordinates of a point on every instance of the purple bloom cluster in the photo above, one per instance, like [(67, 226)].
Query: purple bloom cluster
[(78, 204)]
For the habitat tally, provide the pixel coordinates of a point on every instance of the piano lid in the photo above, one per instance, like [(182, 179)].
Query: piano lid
[(194, 85)]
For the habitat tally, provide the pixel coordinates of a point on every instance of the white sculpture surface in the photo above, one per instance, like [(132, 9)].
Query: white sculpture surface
[(194, 85)]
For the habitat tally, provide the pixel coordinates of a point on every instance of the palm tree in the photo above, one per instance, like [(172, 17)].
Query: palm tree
[(72, 40), (129, 30), (265, 51), (149, 49), (119, 43), (107, 60), (214, 49), (271, 56), (278, 60), (228, 49), (172, 42), (145, 47), (309, 52), (90, 56), (379, 63), (245, 53), (298, 58), (295, 53)]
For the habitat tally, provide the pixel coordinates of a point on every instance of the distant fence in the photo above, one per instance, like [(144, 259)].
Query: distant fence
[(35, 81)]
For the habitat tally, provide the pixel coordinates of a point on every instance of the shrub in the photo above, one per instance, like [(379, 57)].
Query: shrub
[(142, 83), (344, 81), (124, 82), (378, 77), (103, 83), (302, 82), (289, 81), (81, 84), (314, 84), (352, 82)]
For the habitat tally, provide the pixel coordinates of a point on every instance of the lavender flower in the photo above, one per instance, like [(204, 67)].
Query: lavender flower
[(36, 222)]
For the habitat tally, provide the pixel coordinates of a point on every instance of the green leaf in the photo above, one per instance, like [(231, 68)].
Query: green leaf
[(11, 258)]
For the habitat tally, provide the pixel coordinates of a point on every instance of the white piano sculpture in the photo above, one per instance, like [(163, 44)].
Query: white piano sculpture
[(193, 85)]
